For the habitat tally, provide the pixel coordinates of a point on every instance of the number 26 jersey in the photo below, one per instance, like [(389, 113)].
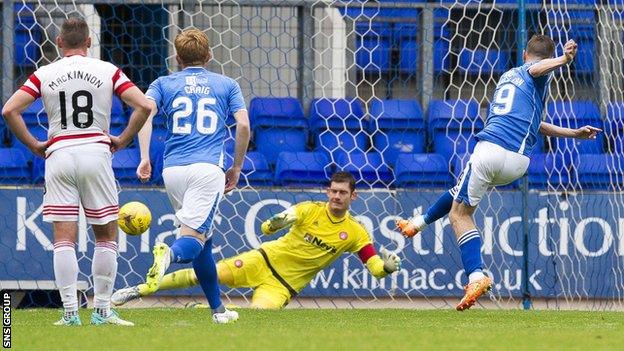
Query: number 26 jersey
[(515, 113), (77, 94)]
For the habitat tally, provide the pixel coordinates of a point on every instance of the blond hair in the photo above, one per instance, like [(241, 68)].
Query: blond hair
[(193, 47)]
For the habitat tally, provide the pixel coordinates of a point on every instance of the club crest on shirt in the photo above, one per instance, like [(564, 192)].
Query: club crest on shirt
[(343, 235), (238, 263)]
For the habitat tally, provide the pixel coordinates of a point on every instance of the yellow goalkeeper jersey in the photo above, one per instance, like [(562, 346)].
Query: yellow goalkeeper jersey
[(314, 241)]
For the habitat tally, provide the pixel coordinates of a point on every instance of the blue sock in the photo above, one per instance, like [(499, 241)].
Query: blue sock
[(470, 246), (439, 209), (206, 272), (185, 249)]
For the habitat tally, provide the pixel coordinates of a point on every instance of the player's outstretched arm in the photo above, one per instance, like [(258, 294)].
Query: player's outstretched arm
[(144, 170), (243, 132), (585, 132), (135, 98), (12, 113), (546, 66), (279, 221), (379, 266)]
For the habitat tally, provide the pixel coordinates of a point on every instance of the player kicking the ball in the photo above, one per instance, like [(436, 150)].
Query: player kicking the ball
[(501, 155), (196, 103), (77, 94), (319, 233)]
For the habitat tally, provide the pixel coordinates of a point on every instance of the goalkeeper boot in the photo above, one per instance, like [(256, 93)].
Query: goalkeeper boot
[(162, 259), (124, 295), (225, 317), (407, 228), (473, 291), (112, 318), (69, 320)]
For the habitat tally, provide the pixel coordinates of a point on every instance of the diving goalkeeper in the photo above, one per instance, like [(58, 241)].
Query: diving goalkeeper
[(319, 233)]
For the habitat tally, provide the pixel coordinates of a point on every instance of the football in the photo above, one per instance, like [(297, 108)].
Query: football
[(134, 218)]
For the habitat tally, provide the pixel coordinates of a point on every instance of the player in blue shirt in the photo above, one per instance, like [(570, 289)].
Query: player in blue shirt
[(501, 154), (195, 103)]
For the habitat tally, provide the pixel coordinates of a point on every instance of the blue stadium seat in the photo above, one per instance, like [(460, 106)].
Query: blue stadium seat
[(396, 114), (28, 36), (335, 143), (545, 168), (38, 170), (14, 166), (279, 125), (302, 169), (35, 114), (614, 126), (409, 56), (37, 131), (277, 112), (336, 114), (600, 171), (576, 114), (452, 125), (125, 163), (366, 167), (373, 54), (422, 170), (373, 29), (118, 116), (392, 143), (255, 171), (483, 62)]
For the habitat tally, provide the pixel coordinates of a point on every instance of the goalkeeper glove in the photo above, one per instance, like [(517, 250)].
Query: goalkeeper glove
[(391, 261), (277, 222)]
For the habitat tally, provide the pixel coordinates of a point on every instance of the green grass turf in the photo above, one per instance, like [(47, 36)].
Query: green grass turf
[(391, 330)]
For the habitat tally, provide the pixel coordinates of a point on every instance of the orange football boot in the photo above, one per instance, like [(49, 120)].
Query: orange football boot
[(473, 291), (407, 228)]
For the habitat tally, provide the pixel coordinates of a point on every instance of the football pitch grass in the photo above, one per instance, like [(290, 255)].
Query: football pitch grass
[(327, 329)]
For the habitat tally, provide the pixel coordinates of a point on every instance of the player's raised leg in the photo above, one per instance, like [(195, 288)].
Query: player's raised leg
[(415, 225)]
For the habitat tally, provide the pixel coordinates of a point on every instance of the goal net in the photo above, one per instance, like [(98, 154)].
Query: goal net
[(391, 91)]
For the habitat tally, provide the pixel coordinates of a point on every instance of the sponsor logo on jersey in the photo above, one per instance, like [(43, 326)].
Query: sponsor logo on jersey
[(309, 238)]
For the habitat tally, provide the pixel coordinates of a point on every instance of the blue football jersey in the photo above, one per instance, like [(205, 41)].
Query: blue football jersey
[(196, 104), (515, 113)]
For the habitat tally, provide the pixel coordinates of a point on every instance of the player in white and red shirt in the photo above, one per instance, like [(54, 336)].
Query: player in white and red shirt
[(77, 95)]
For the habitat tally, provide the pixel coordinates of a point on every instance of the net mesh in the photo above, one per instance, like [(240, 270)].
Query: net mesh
[(390, 91)]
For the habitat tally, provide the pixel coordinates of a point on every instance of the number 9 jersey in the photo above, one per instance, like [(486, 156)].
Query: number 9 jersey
[(196, 104), (77, 96), (515, 113)]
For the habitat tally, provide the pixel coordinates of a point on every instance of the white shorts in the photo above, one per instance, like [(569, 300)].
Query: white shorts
[(80, 175), (195, 191), (489, 165)]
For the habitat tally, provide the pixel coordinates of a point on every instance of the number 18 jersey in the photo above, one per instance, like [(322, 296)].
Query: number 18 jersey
[(77, 94), (515, 113), (196, 104)]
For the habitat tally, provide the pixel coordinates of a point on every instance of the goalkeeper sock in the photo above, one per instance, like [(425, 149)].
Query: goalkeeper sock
[(180, 279), (185, 249), (104, 270), (470, 246), (439, 209), (206, 272), (66, 275)]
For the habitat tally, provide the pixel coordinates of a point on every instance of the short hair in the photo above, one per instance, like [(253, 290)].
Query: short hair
[(343, 177), (192, 46), (540, 46), (74, 32)]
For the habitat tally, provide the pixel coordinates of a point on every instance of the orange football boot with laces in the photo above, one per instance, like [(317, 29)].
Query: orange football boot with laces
[(473, 291), (407, 228)]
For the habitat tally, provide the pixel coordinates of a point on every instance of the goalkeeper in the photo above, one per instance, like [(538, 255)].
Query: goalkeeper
[(277, 271)]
